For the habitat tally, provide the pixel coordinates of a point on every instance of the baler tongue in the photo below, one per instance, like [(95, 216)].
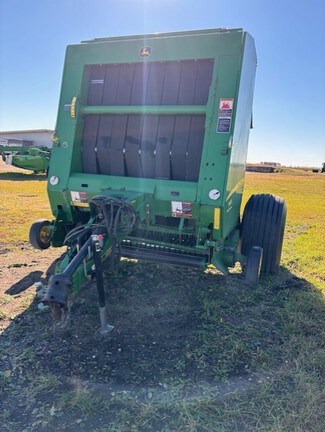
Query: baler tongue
[(112, 218)]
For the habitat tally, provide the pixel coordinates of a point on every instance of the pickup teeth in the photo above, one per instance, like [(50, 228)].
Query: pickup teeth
[(185, 240), (159, 253)]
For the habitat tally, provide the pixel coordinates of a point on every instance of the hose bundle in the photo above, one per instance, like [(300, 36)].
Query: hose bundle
[(111, 215), (118, 216)]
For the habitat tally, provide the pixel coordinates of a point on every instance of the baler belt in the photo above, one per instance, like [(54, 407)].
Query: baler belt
[(166, 147), (184, 82), (89, 150), (132, 146), (163, 146), (146, 146)]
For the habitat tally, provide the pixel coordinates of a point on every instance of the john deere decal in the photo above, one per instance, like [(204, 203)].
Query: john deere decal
[(145, 52)]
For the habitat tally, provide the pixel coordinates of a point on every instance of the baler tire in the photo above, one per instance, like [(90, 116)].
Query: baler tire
[(263, 225), (38, 234)]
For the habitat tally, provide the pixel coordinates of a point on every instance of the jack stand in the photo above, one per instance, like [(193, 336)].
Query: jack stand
[(104, 326)]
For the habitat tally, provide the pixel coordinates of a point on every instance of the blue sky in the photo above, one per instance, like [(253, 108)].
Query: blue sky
[(289, 103)]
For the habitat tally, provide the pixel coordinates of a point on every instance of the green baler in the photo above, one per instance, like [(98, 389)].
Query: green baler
[(149, 158), (30, 158)]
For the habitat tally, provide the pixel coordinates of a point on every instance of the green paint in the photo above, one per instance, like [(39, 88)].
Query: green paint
[(222, 165)]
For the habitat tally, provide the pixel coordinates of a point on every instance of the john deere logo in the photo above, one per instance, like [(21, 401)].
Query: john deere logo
[(145, 52)]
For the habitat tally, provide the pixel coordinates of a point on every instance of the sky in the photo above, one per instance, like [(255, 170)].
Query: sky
[(289, 100)]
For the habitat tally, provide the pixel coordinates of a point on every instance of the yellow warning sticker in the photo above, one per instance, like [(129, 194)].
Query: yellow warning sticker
[(216, 222)]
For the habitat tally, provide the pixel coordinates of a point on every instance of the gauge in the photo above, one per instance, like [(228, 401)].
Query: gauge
[(214, 194)]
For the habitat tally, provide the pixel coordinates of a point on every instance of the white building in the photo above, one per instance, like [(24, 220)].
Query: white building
[(34, 138)]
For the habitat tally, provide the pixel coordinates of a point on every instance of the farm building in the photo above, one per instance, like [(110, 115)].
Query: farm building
[(262, 167), (37, 137), (271, 163)]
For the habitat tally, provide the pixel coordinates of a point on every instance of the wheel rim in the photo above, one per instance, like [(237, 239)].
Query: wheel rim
[(44, 235)]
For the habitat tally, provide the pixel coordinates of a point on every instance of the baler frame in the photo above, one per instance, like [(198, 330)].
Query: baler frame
[(156, 127)]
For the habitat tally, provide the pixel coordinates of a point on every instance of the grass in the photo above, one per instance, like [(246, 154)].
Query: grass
[(23, 200), (246, 361), (80, 399)]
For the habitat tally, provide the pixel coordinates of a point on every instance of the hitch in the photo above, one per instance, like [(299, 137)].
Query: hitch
[(58, 290), (112, 219), (56, 295), (60, 284)]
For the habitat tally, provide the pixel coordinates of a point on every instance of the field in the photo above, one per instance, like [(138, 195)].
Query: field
[(191, 351)]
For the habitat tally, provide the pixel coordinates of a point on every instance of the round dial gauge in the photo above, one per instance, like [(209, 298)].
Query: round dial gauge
[(214, 194), (54, 180)]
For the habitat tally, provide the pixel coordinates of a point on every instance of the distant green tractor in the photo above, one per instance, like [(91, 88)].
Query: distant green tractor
[(30, 158)]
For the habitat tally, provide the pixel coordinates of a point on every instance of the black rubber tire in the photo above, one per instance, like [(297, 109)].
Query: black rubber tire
[(38, 235), (253, 265), (263, 225)]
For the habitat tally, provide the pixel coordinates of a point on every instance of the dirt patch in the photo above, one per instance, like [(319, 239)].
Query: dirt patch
[(156, 353), (185, 345), (20, 267)]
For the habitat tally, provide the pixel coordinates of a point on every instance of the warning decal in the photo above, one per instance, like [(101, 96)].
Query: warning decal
[(225, 107), (223, 124), (225, 115), (79, 199), (181, 209)]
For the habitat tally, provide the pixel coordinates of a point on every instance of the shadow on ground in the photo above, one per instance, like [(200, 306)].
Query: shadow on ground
[(24, 283), (28, 280), (16, 176)]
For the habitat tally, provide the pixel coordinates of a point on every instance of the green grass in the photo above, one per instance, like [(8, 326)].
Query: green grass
[(80, 399), (23, 200)]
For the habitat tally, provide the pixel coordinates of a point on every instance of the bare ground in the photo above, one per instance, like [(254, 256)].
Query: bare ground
[(152, 355)]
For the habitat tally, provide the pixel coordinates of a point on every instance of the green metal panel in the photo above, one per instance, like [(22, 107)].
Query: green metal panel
[(239, 141)]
